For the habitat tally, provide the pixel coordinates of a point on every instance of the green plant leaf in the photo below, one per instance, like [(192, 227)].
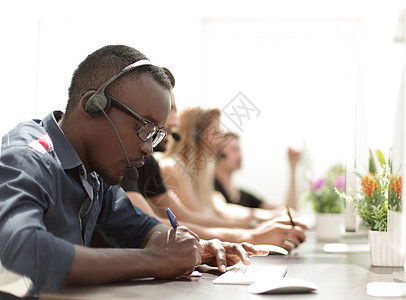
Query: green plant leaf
[(326, 199), (371, 165), (381, 158), (373, 209)]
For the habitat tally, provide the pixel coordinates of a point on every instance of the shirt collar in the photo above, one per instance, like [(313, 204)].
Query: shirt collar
[(66, 153)]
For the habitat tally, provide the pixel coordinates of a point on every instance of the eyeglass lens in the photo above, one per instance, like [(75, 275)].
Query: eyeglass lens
[(158, 138)]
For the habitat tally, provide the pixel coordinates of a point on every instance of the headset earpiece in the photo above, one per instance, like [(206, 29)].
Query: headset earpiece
[(95, 102)]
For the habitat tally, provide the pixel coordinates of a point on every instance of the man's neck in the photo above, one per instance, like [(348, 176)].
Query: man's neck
[(70, 130)]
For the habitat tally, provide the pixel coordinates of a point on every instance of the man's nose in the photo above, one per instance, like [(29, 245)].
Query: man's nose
[(146, 148)]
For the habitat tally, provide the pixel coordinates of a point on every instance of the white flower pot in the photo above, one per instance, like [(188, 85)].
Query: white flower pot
[(329, 227), (397, 233), (381, 251)]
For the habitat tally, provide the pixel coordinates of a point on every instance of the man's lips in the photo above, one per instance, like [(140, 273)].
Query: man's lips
[(139, 162)]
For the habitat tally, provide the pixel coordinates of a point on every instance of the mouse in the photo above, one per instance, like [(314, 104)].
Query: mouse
[(285, 285), (273, 250)]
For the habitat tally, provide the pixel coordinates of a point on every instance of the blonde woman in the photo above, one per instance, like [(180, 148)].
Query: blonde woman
[(192, 158), (188, 167), (275, 232)]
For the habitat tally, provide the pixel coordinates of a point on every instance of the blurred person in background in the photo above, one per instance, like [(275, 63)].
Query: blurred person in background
[(152, 187), (229, 160)]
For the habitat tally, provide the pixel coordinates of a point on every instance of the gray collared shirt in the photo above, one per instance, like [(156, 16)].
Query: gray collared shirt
[(48, 203)]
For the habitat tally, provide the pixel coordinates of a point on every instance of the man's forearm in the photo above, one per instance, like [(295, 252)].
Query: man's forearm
[(93, 266)]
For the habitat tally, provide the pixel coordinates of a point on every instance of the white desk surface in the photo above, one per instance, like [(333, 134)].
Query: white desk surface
[(339, 276)]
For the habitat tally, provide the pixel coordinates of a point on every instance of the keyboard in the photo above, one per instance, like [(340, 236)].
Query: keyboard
[(248, 275)]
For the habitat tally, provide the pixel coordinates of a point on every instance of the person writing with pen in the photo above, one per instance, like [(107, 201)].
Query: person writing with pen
[(153, 192), (59, 183)]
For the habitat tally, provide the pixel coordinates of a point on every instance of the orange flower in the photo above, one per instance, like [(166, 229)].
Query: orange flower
[(368, 184), (397, 185)]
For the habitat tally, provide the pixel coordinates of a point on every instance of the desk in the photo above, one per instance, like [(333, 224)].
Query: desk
[(339, 276)]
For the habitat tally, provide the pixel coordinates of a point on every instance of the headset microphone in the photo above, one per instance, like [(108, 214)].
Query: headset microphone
[(176, 136), (221, 155), (98, 102), (130, 170)]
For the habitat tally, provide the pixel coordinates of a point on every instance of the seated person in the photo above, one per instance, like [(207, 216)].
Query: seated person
[(151, 195), (59, 183), (189, 165), (229, 160), (151, 186)]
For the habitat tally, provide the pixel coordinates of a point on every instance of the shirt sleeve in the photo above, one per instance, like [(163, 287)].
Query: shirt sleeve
[(249, 200), (26, 247), (121, 223)]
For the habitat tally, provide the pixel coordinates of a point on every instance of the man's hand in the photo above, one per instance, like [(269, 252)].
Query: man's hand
[(175, 252), (223, 254), (280, 232)]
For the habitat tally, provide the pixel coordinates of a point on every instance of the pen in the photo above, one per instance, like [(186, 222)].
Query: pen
[(291, 221), (290, 216), (172, 218)]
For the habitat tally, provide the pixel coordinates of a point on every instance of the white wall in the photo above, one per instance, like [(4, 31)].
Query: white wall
[(303, 64)]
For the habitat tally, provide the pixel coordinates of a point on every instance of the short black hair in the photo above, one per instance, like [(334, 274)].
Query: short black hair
[(170, 76), (104, 63)]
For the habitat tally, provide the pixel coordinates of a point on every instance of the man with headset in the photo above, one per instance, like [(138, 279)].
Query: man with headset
[(59, 183)]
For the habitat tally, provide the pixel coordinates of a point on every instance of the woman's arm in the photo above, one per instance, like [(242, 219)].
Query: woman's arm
[(194, 217), (176, 180), (275, 232)]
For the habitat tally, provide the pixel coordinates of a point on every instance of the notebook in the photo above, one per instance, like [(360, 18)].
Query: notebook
[(250, 274)]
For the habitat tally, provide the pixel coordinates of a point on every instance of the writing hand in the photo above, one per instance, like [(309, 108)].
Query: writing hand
[(175, 252), (280, 232)]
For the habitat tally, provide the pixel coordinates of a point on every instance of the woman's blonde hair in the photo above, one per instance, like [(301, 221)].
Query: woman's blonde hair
[(193, 153)]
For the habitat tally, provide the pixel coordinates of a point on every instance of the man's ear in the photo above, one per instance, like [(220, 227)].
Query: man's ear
[(84, 103)]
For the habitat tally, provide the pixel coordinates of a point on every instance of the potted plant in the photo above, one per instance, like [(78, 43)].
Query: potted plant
[(379, 192), (327, 204)]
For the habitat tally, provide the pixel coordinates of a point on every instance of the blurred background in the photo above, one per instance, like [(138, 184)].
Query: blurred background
[(323, 77)]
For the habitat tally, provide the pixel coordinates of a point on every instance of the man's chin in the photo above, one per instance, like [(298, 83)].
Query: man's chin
[(113, 181), (110, 178)]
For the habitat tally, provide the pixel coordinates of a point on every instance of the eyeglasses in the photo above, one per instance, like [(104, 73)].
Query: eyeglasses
[(147, 130)]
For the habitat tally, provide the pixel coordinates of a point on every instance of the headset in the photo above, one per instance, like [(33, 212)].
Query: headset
[(98, 102)]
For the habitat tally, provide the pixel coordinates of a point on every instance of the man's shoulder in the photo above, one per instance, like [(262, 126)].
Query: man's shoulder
[(23, 134), (26, 146)]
